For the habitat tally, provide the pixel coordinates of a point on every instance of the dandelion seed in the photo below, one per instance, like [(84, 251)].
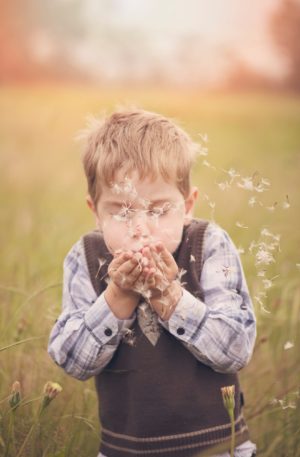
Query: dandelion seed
[(208, 165), (273, 207), (102, 262), (143, 307), (267, 283), (276, 237), (226, 270), (232, 173), (260, 188), (246, 183), (258, 298), (262, 183), (144, 202), (126, 212), (252, 246), (125, 208), (266, 232), (288, 345), (286, 204), (252, 201), (180, 274), (265, 310), (165, 306), (129, 187), (192, 258), (143, 290), (241, 250), (285, 405), (128, 337), (241, 225), (261, 273), (224, 185), (203, 151), (204, 137), (265, 182), (264, 257), (116, 189), (126, 187)]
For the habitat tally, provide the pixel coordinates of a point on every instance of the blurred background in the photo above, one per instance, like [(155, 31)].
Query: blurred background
[(232, 44), (229, 73)]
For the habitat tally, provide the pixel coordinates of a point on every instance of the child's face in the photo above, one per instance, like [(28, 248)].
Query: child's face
[(133, 213)]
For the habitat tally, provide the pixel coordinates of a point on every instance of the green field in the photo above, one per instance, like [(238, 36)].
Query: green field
[(43, 212)]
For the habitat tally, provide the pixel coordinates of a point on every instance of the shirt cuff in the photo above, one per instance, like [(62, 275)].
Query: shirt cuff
[(103, 324), (188, 316)]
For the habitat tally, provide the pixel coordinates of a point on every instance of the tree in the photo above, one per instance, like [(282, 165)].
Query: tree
[(285, 30)]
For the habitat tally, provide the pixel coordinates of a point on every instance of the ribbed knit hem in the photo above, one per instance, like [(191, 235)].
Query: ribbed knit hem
[(179, 445)]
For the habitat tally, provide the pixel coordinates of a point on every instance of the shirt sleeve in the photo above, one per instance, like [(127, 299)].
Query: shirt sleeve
[(219, 331), (87, 333)]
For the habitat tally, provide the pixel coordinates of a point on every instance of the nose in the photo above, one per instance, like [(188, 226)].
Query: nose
[(138, 226)]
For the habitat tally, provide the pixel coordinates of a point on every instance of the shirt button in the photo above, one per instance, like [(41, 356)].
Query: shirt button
[(108, 331), (180, 331)]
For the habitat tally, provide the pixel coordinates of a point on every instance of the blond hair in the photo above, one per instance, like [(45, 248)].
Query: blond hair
[(137, 140)]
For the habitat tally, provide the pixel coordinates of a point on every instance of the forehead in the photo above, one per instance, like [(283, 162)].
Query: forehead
[(143, 191)]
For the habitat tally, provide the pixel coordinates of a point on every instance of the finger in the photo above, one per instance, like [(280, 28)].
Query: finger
[(157, 260), (128, 280), (150, 282), (129, 265), (165, 255), (147, 254), (148, 273), (120, 259), (127, 273)]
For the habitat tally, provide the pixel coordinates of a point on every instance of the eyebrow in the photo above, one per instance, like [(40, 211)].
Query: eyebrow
[(119, 204), (113, 203)]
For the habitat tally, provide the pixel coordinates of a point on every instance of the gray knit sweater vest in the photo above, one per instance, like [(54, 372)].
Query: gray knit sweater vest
[(159, 400)]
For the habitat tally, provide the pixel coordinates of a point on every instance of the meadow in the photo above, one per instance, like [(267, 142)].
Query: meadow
[(43, 212)]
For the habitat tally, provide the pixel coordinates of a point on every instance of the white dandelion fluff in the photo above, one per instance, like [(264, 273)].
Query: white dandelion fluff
[(288, 345), (286, 204), (241, 225), (263, 257)]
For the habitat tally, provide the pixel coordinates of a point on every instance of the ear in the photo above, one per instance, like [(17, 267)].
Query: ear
[(92, 206), (90, 203), (190, 203)]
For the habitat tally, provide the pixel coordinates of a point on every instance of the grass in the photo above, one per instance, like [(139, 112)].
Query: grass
[(44, 213)]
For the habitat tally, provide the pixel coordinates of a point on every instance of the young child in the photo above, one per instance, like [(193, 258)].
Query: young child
[(155, 303)]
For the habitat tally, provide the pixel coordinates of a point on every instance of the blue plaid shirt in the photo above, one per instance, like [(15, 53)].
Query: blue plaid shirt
[(220, 331)]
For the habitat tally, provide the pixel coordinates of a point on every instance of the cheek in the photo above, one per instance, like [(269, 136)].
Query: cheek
[(113, 234), (170, 233)]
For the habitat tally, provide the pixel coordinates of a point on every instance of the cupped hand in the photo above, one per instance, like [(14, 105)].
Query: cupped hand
[(125, 269), (161, 270)]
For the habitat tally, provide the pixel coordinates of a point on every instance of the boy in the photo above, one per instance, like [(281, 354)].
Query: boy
[(155, 303)]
